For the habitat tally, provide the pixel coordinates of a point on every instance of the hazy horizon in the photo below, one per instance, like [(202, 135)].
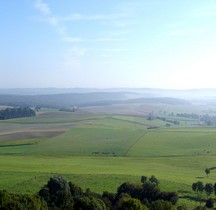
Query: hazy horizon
[(108, 44), (110, 88)]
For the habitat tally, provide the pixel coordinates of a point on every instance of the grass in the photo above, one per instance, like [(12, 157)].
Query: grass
[(103, 151), (177, 142), (182, 170), (88, 141), (51, 117)]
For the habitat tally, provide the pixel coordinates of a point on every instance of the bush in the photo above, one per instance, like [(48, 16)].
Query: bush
[(90, 203), (161, 205), (21, 202), (131, 204)]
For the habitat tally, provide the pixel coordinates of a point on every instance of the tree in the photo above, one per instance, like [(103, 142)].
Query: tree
[(133, 190), (75, 190), (57, 193), (210, 203), (109, 199), (207, 171), (209, 188), (131, 204), (16, 113), (154, 180), (150, 191), (169, 196), (144, 179), (198, 187)]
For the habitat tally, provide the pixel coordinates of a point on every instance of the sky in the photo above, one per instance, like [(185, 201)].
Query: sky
[(108, 44)]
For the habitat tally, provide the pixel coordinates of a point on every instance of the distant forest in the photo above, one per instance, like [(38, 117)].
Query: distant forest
[(10, 113)]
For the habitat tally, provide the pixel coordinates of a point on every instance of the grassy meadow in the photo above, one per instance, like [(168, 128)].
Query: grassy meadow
[(102, 150)]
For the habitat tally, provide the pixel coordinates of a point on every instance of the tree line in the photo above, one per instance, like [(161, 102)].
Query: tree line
[(58, 194), (208, 188), (10, 113)]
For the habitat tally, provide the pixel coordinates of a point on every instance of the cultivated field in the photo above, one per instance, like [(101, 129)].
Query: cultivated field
[(101, 150)]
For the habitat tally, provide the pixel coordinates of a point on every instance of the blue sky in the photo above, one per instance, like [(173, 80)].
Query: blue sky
[(107, 44)]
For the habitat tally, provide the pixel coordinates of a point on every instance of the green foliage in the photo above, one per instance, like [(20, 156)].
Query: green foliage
[(131, 204), (209, 188), (183, 207), (88, 202), (169, 196), (154, 180), (20, 202), (198, 187), (132, 189), (162, 205), (75, 190), (201, 208), (57, 193), (150, 191), (144, 179), (108, 199)]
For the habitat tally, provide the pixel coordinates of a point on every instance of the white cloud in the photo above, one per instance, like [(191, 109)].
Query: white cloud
[(42, 7)]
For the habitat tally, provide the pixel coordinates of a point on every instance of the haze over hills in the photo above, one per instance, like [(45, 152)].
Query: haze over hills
[(60, 97), (144, 92)]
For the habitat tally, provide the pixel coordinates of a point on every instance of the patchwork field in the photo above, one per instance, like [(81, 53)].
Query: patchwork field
[(102, 151)]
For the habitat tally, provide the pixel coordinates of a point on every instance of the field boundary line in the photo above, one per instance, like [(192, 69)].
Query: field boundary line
[(128, 121), (136, 142)]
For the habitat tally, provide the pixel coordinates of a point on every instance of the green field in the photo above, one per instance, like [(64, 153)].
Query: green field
[(102, 151)]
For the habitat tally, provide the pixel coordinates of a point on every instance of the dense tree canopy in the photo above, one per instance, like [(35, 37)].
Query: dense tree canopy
[(10, 113), (59, 194)]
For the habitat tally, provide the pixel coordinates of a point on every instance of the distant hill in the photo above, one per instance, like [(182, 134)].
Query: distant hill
[(136, 92), (160, 100), (61, 98), (46, 91), (80, 99)]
